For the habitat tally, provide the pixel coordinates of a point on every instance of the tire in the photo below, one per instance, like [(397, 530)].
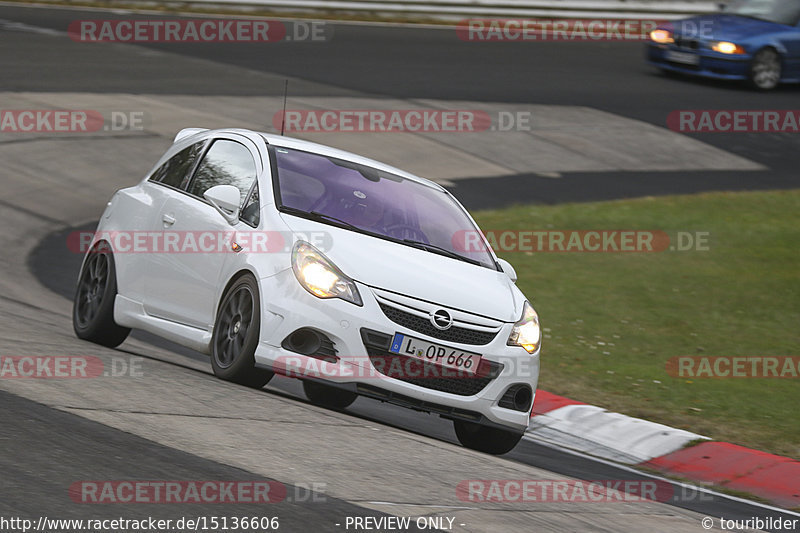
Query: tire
[(491, 440), (765, 69), (93, 305), (327, 396), (236, 334)]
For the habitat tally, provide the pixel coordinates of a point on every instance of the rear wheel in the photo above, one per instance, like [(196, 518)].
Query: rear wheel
[(486, 439), (327, 396), (236, 332), (765, 69), (93, 305)]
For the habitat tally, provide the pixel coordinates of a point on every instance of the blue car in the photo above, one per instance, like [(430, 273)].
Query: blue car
[(753, 40)]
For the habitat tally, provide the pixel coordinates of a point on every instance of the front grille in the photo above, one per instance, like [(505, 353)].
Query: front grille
[(686, 42), (684, 66), (423, 325), (420, 405), (424, 374)]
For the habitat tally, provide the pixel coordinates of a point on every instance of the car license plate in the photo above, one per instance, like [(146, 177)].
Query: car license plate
[(435, 354), (682, 57)]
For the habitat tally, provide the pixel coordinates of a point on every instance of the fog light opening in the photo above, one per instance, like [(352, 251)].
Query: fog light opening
[(303, 341), (522, 399)]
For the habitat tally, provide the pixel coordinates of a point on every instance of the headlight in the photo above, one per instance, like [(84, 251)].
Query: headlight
[(526, 332), (725, 47), (319, 276), (662, 36)]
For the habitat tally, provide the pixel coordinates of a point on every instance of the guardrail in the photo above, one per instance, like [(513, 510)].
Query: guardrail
[(459, 9)]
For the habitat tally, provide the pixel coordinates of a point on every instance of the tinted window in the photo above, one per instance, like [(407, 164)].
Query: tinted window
[(225, 163), (178, 166), (251, 211)]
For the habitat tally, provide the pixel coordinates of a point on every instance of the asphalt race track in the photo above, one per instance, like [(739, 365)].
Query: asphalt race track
[(171, 419), (412, 63)]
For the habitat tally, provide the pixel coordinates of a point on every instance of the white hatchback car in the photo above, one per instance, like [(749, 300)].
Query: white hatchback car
[(273, 254)]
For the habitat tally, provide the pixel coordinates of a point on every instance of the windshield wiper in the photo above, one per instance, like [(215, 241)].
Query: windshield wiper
[(332, 218), (316, 215), (441, 251)]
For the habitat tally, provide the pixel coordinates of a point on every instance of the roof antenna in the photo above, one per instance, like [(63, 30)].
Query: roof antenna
[(283, 116)]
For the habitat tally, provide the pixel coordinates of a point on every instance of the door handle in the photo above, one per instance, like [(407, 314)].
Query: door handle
[(168, 219)]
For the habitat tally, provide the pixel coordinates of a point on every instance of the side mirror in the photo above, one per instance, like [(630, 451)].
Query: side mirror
[(225, 199), (508, 269)]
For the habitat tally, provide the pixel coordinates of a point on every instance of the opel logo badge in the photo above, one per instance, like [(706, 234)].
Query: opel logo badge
[(441, 319)]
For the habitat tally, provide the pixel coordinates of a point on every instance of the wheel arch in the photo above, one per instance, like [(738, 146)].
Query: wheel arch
[(244, 271), (777, 46), (91, 249)]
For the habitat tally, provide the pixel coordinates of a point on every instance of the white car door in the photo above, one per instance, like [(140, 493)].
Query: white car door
[(135, 218), (184, 280)]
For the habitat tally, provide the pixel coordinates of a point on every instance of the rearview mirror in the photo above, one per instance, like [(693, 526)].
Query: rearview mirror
[(508, 269), (225, 199)]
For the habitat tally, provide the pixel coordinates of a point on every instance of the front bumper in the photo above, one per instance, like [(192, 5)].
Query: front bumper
[(710, 64), (287, 307)]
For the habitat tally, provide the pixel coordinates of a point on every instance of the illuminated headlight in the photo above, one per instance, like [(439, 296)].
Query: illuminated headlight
[(725, 47), (319, 276), (662, 36), (526, 332)]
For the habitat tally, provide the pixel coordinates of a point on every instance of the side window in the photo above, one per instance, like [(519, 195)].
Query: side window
[(251, 211), (225, 163), (178, 166)]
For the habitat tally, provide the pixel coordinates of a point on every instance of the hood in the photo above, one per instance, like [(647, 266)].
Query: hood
[(417, 273), (721, 27)]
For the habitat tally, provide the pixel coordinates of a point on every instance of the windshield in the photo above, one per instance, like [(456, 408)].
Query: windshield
[(780, 11), (373, 201)]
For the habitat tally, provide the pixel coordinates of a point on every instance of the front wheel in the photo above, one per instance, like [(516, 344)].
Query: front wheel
[(327, 396), (93, 306), (486, 439), (765, 70), (236, 332)]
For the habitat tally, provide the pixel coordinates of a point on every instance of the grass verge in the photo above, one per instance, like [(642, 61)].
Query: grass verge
[(613, 320)]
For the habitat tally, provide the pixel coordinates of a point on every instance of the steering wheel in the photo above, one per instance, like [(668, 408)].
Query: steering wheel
[(406, 231)]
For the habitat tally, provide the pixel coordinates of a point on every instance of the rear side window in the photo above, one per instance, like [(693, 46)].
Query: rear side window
[(225, 163), (177, 168)]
